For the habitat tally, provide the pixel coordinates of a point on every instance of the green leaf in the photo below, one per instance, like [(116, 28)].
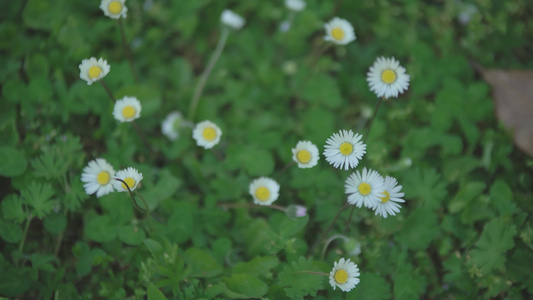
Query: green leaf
[(259, 266), (298, 284), (323, 89), (502, 199), (43, 262), (100, 229), (261, 239), (496, 239), (154, 247), (425, 185), (119, 206), (38, 197), (256, 161), (289, 227), (12, 209), (10, 232), (180, 223), (55, 223), (36, 66), (154, 293), (50, 164), (131, 235), (372, 287), (245, 286), (15, 281), (407, 284), (419, 229), (13, 162), (202, 263), (465, 194)]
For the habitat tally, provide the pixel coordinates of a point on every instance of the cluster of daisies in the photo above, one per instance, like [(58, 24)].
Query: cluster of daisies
[(100, 177), (343, 150)]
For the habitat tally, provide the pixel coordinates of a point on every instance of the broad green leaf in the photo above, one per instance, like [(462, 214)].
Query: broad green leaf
[(10, 232), (245, 286), (131, 235), (419, 229), (322, 89), (256, 161), (465, 194), (15, 281), (496, 239), (502, 198), (424, 185), (289, 227), (154, 293), (43, 262), (55, 223), (299, 284), (13, 162), (261, 239), (12, 209), (38, 197), (259, 266), (407, 284), (154, 247), (100, 229), (202, 263), (119, 206), (180, 224), (372, 287)]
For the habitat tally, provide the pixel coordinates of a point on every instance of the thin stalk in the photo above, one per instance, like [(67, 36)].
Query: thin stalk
[(349, 221), (331, 239), (205, 75), (107, 90), (373, 117), (328, 230), (25, 233), (127, 50), (141, 136), (250, 205), (311, 272), (146, 211), (285, 168)]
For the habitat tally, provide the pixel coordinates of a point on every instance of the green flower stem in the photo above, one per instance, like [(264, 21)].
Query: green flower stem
[(205, 75), (328, 242), (146, 211), (251, 205), (285, 168), (26, 227), (314, 273), (349, 221), (373, 117), (329, 229), (127, 50), (107, 91)]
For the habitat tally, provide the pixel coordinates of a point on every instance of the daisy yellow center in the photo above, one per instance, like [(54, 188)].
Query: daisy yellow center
[(388, 76), (341, 276), (209, 133), (115, 7), (385, 198), (103, 178), (303, 156), (94, 72), (364, 188), (262, 194), (337, 33), (128, 112), (130, 182), (346, 148)]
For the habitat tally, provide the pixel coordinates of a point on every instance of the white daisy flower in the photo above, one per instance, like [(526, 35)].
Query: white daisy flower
[(364, 188), (207, 134), (344, 149), (92, 70), (339, 31), (305, 154), (264, 191), (97, 176), (295, 5), (387, 78), (231, 19), (131, 176), (390, 198), (114, 8), (171, 125), (127, 109), (345, 275)]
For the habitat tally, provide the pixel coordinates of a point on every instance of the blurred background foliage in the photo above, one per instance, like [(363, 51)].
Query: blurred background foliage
[(464, 232)]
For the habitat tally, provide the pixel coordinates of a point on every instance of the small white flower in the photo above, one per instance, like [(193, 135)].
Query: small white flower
[(295, 5), (344, 149), (131, 176), (345, 275), (339, 31), (97, 176), (264, 190), (305, 154), (171, 125), (127, 109), (207, 134), (231, 19), (390, 198), (92, 70), (114, 8), (387, 78), (364, 188)]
